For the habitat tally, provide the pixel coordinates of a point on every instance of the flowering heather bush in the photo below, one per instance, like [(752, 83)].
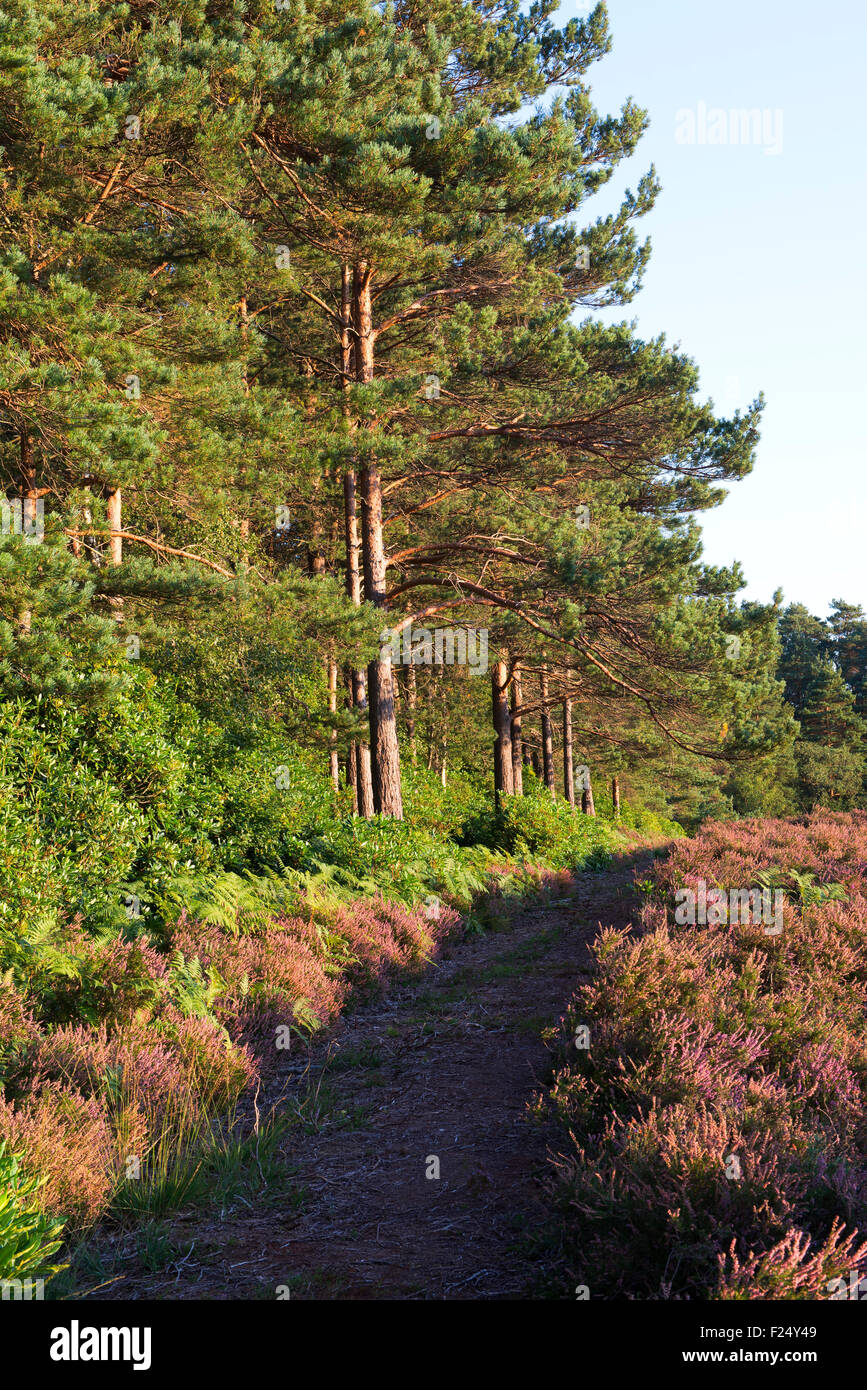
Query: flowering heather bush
[(72, 975), (66, 1139), (717, 1123), (793, 1268), (298, 972), (215, 1070), (278, 977), (94, 1098), (110, 1048), (19, 1035), (385, 937), (145, 1067)]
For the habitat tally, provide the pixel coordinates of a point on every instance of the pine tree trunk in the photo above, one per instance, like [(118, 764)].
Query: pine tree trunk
[(349, 768), (349, 774), (384, 748), (29, 508), (115, 525), (615, 796), (244, 320), (430, 702), (568, 774), (334, 757), (587, 805), (411, 697), (518, 753), (244, 528), (317, 567), (87, 520), (315, 555), (504, 784), (363, 779), (115, 543), (547, 735), (363, 771)]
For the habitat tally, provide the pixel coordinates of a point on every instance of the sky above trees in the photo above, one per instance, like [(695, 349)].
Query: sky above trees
[(757, 267)]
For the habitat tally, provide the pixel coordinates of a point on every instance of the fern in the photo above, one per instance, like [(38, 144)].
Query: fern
[(810, 893), (237, 903), (193, 990), (813, 894), (305, 1016)]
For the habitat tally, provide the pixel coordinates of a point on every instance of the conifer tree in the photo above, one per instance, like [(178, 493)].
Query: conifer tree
[(849, 633), (830, 750), (429, 200)]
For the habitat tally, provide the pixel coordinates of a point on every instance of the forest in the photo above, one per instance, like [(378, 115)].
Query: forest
[(352, 597)]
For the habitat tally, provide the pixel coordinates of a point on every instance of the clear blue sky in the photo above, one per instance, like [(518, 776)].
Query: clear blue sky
[(759, 262)]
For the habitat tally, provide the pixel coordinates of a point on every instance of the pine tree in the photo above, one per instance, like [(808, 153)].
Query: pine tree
[(805, 643), (849, 632), (830, 751), (133, 411), (429, 201)]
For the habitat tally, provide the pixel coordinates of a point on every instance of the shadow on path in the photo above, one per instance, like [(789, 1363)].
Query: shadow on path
[(443, 1068)]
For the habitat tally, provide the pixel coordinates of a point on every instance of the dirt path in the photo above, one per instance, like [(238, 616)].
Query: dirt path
[(443, 1068)]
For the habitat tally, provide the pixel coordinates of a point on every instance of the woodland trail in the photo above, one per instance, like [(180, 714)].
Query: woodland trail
[(444, 1066)]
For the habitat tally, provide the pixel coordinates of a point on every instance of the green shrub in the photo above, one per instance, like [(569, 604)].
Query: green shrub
[(536, 826), (28, 1238)]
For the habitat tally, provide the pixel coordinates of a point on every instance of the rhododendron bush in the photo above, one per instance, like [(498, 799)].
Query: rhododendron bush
[(712, 1079)]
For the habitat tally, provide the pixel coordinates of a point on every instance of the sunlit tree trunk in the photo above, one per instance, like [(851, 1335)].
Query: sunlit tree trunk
[(504, 784), (517, 746), (334, 757), (568, 774), (363, 778), (411, 698), (384, 748), (114, 512), (362, 781), (547, 734), (29, 508)]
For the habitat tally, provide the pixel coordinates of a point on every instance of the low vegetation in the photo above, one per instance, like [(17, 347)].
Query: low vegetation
[(713, 1113), (298, 355), (154, 968)]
